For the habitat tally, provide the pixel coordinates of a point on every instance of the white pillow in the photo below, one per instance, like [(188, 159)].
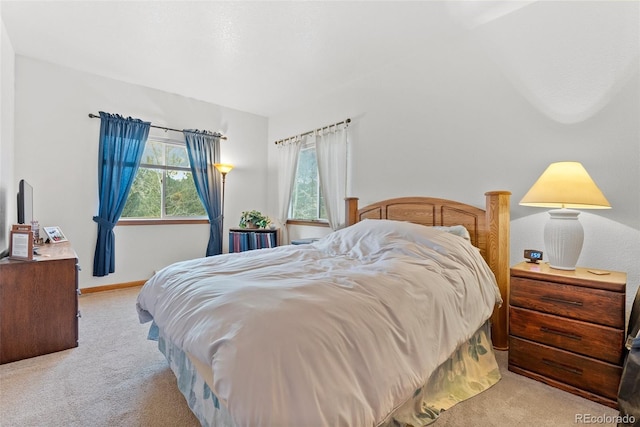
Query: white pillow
[(370, 236), (458, 230)]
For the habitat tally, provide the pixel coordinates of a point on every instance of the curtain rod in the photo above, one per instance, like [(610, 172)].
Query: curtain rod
[(344, 122), (93, 116)]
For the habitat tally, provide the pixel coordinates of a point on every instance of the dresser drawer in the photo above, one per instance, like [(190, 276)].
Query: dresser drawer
[(578, 371), (601, 342), (591, 305)]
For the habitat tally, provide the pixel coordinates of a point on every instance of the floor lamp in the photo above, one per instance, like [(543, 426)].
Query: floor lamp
[(224, 169)]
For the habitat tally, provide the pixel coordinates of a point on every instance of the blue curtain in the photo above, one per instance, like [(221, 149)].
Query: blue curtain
[(122, 143), (203, 149)]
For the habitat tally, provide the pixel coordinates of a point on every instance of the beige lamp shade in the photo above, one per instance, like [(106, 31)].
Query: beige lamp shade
[(565, 185), (224, 168)]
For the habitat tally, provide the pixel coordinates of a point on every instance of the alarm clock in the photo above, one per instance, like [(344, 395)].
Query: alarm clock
[(533, 255)]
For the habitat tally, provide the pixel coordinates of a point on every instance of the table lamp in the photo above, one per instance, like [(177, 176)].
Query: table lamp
[(565, 186)]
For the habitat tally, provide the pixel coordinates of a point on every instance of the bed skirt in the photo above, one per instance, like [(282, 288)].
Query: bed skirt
[(471, 369)]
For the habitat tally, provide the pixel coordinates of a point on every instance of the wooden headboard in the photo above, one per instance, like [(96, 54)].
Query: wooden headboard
[(488, 227)]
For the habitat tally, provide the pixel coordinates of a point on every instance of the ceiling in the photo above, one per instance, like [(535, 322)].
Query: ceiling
[(262, 57)]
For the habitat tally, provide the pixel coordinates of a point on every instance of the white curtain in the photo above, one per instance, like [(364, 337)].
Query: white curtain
[(287, 156), (331, 153)]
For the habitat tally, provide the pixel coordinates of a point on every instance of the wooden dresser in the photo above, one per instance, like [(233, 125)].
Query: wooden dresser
[(39, 303), (566, 329)]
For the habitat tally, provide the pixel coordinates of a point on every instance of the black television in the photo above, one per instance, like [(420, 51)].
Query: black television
[(25, 203)]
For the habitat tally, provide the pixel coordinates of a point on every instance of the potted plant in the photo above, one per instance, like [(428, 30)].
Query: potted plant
[(253, 219)]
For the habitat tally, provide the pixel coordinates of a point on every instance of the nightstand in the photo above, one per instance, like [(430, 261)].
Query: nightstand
[(566, 328)]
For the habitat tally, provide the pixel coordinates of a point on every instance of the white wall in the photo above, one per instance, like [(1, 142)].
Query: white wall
[(483, 111), (490, 110), (56, 151), (8, 213)]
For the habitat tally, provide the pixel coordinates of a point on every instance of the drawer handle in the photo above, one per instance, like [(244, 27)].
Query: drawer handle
[(561, 301), (561, 333), (557, 365)]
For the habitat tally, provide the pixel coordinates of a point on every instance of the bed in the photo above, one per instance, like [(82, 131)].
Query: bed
[(383, 323)]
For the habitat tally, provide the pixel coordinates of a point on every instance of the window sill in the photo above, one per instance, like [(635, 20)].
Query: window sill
[(315, 223), (126, 222)]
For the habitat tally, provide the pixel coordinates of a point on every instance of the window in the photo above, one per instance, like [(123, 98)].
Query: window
[(307, 203), (163, 187)]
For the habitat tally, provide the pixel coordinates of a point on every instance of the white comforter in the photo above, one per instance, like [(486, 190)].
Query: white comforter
[(336, 333)]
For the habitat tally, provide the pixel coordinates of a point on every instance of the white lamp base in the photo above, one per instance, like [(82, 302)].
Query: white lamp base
[(563, 238)]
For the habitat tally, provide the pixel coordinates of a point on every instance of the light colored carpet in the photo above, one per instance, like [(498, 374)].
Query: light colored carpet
[(116, 377)]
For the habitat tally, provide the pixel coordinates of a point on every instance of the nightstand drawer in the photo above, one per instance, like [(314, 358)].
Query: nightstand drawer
[(601, 342), (592, 305), (582, 372)]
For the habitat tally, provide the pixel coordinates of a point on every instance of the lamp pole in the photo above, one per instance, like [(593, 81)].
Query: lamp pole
[(224, 180)]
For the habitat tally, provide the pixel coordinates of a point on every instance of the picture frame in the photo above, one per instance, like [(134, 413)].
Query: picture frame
[(21, 244), (54, 234)]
